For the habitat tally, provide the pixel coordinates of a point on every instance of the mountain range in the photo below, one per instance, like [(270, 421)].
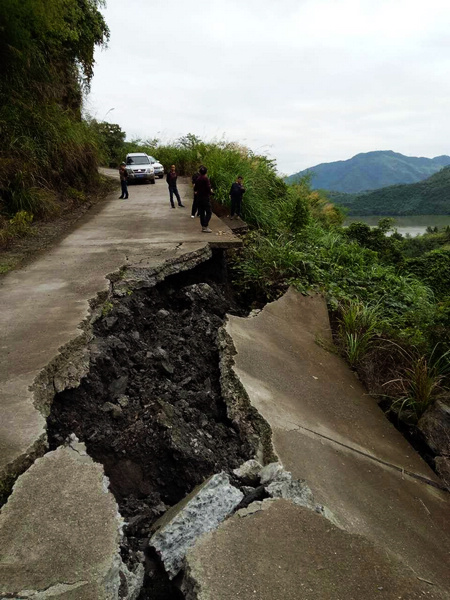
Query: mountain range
[(370, 171), (428, 197)]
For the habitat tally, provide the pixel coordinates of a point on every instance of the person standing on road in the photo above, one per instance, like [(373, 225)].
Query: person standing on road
[(123, 181), (194, 210), (203, 191), (172, 183), (236, 192)]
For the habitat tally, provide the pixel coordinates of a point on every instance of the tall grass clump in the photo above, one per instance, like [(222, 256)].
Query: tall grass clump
[(358, 327), (420, 383)]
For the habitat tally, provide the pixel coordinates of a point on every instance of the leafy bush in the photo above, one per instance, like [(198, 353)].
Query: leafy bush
[(18, 226), (433, 268)]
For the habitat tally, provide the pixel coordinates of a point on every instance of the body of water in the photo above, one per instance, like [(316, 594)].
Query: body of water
[(413, 225)]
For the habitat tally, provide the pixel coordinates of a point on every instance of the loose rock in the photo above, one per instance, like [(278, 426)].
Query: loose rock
[(249, 472), (202, 511)]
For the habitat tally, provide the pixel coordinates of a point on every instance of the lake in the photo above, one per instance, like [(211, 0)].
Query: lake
[(413, 225)]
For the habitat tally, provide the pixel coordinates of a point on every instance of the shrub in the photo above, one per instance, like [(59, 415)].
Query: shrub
[(358, 327), (433, 268), (419, 384)]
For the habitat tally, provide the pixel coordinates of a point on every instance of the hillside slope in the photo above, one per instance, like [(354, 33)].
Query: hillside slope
[(429, 197), (371, 170)]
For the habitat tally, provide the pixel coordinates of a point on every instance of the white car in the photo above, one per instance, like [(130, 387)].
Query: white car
[(139, 168), (159, 169)]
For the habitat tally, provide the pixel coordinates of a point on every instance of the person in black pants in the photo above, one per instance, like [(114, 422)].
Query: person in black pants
[(236, 192), (123, 181), (203, 191), (194, 210), (172, 183)]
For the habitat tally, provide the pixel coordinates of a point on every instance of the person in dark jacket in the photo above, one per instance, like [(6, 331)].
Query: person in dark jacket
[(172, 183), (123, 181), (203, 191), (236, 192), (194, 210)]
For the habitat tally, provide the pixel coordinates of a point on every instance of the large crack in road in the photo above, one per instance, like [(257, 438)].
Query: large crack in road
[(151, 409)]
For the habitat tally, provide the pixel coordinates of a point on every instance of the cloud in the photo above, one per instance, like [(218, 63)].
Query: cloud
[(309, 81)]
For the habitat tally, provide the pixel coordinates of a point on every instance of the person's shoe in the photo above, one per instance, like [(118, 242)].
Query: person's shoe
[(231, 218), (173, 206), (192, 216), (181, 205), (126, 198), (206, 230), (120, 197)]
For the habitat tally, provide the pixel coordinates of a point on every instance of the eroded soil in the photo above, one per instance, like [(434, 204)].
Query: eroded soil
[(150, 409)]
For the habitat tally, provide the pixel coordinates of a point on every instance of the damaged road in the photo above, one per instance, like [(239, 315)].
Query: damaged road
[(150, 409), (48, 313)]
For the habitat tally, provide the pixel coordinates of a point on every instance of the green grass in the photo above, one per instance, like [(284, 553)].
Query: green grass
[(420, 383)]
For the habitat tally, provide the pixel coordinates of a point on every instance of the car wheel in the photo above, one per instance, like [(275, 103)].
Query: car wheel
[(161, 176), (152, 181)]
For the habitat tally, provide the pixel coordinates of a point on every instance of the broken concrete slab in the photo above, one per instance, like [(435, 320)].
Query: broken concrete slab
[(60, 533), (249, 472), (201, 511), (304, 384), (327, 431), (287, 552), (274, 472)]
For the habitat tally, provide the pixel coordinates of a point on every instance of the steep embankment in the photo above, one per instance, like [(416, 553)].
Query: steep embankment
[(371, 170), (429, 197)]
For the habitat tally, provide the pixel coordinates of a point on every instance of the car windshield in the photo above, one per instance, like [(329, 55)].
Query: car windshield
[(138, 160), (152, 159)]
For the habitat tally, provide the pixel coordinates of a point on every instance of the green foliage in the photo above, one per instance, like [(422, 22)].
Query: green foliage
[(111, 140), (17, 227), (358, 326), (414, 247), (107, 308), (419, 384), (388, 248), (434, 269)]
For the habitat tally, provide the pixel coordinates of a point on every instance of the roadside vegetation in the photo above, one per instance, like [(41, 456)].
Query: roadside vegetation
[(48, 155)]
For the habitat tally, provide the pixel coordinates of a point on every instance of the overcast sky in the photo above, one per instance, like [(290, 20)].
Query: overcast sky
[(304, 81)]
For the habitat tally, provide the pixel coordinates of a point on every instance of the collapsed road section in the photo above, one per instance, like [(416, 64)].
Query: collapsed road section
[(150, 408)]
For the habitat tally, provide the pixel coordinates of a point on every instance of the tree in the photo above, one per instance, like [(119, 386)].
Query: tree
[(111, 139)]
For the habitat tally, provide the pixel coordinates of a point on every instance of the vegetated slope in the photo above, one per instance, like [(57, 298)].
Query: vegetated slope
[(47, 152), (429, 197), (371, 170)]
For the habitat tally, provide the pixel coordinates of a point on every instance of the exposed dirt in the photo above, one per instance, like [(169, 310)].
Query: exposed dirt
[(150, 408)]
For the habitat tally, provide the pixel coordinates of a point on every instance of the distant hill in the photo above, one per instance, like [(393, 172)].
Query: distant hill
[(429, 197), (370, 171)]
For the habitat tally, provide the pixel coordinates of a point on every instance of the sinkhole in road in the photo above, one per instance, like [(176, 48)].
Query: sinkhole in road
[(151, 409)]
